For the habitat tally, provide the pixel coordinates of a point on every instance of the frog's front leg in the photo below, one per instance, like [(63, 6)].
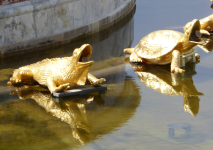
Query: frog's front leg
[(175, 64), (94, 81), (53, 86), (21, 76)]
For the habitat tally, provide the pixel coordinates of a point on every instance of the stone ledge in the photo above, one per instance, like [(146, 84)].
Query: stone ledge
[(30, 6), (39, 40)]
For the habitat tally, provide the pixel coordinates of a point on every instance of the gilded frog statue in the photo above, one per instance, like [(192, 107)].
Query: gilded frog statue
[(167, 46), (59, 74)]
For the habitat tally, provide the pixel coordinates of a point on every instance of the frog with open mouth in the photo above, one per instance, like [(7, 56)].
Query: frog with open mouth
[(59, 74)]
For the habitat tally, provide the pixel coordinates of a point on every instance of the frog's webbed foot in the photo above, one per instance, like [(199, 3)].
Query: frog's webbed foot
[(62, 87), (98, 81), (94, 81), (21, 76), (53, 88), (14, 81), (175, 64)]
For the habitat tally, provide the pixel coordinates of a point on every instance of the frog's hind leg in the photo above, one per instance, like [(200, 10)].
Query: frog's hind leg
[(21, 76), (94, 81), (175, 64), (55, 84)]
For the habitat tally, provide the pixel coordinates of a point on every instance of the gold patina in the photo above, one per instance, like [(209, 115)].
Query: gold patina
[(166, 46), (59, 74)]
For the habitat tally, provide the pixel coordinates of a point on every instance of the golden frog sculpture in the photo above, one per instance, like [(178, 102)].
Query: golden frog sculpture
[(167, 46), (59, 74)]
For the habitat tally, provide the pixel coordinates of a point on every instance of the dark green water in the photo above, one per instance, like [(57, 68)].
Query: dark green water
[(131, 115)]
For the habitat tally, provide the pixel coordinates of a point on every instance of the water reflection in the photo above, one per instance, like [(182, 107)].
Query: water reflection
[(160, 79), (39, 119), (72, 112)]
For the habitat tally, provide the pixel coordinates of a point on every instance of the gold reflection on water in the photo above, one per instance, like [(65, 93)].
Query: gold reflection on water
[(72, 112), (44, 122), (86, 116), (160, 79)]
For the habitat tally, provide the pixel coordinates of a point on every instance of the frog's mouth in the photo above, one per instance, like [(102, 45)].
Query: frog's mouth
[(83, 54), (195, 34)]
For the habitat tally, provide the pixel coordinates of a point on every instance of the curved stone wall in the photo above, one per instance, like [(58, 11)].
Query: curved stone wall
[(38, 24)]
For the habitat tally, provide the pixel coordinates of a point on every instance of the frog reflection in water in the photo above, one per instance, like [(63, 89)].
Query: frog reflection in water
[(160, 79), (72, 112)]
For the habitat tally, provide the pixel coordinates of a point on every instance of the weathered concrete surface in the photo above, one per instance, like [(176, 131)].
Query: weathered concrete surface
[(34, 24)]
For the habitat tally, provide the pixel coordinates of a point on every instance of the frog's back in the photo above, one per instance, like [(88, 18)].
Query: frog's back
[(47, 68)]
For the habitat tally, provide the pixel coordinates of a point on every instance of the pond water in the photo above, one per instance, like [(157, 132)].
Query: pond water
[(140, 110)]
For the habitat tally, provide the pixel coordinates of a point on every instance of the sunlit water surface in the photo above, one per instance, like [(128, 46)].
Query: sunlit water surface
[(140, 110)]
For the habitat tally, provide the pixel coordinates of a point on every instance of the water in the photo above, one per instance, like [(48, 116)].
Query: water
[(135, 113)]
